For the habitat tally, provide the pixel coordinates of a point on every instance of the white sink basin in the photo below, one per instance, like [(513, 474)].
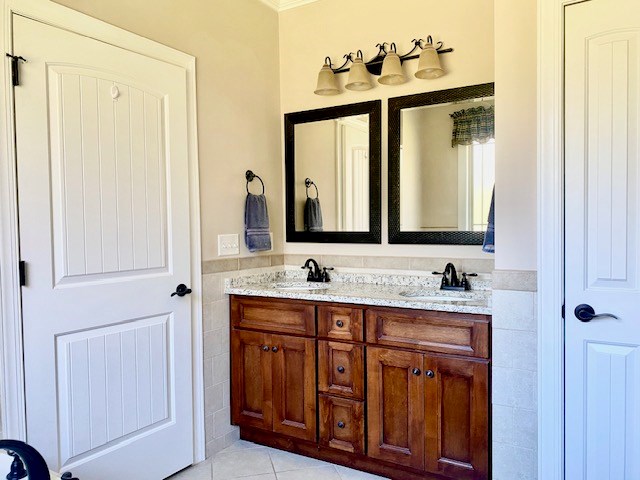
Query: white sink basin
[(428, 297), (300, 286)]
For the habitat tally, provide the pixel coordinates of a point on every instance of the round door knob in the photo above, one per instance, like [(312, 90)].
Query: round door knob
[(265, 348), (416, 371), (341, 424), (340, 369), (181, 290), (430, 374), (340, 323), (274, 349)]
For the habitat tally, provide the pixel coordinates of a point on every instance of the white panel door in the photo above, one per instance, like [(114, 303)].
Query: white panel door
[(104, 229), (602, 376)]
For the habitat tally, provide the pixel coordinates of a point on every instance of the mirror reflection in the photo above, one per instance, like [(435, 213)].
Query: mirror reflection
[(332, 175), (447, 166)]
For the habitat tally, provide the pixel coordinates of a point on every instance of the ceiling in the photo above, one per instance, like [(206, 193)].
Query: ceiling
[(280, 5)]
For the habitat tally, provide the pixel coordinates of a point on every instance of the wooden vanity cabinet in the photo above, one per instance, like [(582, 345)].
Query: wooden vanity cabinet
[(429, 410), (273, 375), (400, 393)]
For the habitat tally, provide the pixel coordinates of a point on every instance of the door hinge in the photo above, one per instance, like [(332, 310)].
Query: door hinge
[(563, 311), (22, 273), (15, 68)]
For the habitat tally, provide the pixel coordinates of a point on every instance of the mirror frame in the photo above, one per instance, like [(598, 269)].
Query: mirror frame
[(396, 105), (374, 235)]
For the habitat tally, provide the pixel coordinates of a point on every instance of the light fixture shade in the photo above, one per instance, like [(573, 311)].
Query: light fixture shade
[(429, 64), (392, 73), (359, 78), (327, 82)]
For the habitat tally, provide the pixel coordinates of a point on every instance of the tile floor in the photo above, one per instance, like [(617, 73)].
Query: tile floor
[(248, 461)]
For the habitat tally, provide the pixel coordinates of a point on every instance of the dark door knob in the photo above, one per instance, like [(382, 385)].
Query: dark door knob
[(430, 374), (274, 349), (416, 371), (340, 424), (181, 290), (340, 323), (341, 369), (265, 348), (586, 313)]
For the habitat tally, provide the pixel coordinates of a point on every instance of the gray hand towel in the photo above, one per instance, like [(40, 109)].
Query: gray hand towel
[(312, 215), (256, 223)]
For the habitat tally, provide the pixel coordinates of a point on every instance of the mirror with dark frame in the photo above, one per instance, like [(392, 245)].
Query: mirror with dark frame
[(441, 166), (332, 167)]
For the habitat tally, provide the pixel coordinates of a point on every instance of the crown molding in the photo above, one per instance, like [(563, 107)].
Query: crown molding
[(280, 5)]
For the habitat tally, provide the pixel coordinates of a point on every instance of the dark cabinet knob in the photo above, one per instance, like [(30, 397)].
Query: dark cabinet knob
[(340, 323), (181, 290), (274, 349), (341, 424), (416, 371), (340, 369), (265, 348), (430, 374)]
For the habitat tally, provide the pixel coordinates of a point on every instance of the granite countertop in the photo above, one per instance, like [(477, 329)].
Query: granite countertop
[(419, 292)]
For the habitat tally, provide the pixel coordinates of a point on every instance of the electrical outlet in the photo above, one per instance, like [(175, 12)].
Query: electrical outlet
[(228, 244)]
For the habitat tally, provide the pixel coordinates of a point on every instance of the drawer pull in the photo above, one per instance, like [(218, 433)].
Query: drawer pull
[(341, 424), (430, 374), (416, 371), (274, 349), (265, 348), (340, 369), (340, 323)]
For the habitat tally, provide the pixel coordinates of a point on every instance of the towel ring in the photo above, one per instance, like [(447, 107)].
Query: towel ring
[(250, 176), (307, 183)]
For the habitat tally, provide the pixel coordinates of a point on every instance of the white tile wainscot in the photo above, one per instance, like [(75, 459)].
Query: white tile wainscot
[(514, 389)]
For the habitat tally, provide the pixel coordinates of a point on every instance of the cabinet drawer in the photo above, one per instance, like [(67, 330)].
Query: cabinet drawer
[(341, 369), (340, 323), (278, 316), (460, 334), (342, 424)]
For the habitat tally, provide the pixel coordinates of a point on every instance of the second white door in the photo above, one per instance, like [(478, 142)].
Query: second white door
[(602, 370)]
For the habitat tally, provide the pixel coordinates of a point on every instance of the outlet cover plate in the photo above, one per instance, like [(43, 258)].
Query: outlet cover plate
[(228, 244)]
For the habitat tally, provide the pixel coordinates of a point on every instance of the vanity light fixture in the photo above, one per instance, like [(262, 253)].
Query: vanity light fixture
[(359, 77), (392, 73), (429, 63), (327, 82), (387, 64)]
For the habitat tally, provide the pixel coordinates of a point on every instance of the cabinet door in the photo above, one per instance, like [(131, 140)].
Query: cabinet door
[(294, 386), (395, 406), (457, 417), (251, 359)]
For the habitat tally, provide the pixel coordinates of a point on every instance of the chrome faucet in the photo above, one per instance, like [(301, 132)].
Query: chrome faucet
[(450, 279), (315, 274)]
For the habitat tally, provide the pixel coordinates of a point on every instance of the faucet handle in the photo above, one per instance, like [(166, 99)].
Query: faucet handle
[(465, 281), (325, 274)]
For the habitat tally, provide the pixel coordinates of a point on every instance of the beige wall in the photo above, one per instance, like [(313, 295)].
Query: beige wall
[(335, 27), (516, 134), (235, 43)]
